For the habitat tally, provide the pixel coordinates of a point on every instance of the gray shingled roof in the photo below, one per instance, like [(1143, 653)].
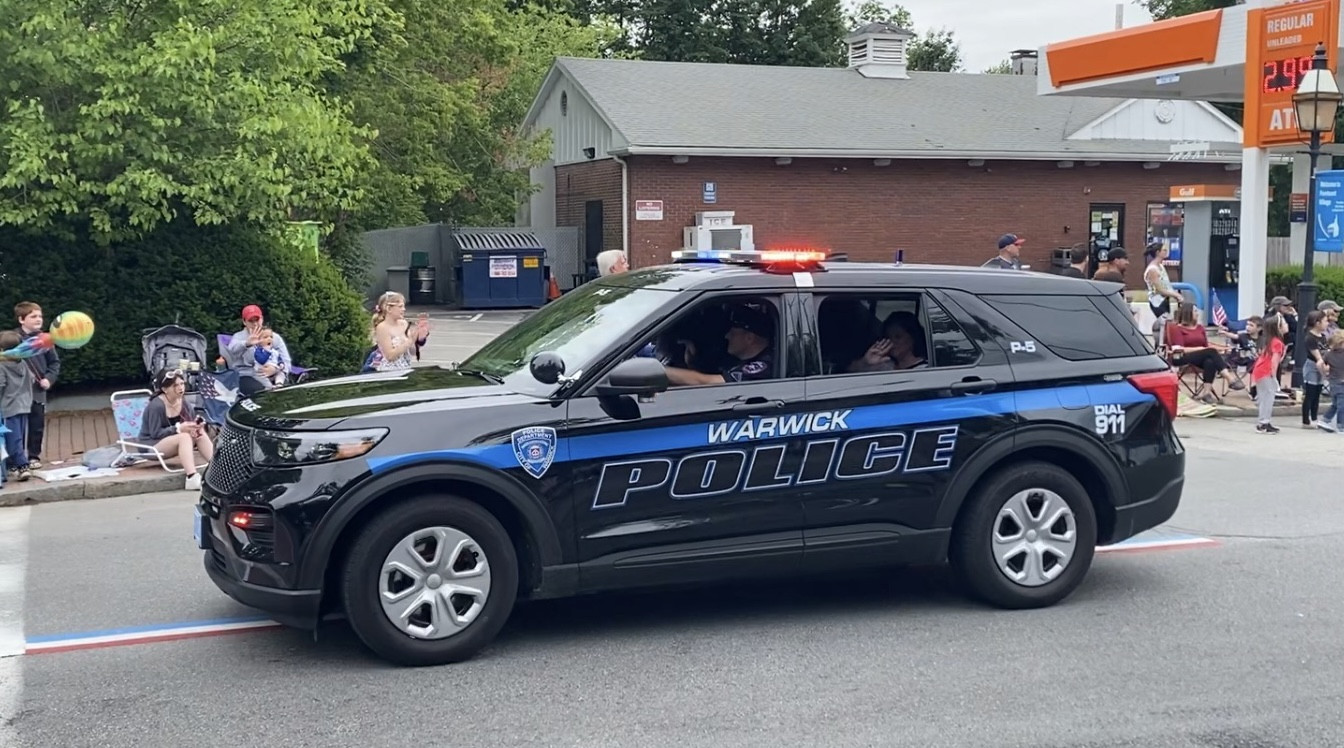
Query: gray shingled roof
[(675, 105)]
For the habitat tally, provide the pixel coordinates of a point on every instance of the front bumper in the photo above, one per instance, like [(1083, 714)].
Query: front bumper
[(297, 608)]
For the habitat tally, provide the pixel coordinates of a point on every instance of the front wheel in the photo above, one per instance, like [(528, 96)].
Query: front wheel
[(1027, 538), (430, 581)]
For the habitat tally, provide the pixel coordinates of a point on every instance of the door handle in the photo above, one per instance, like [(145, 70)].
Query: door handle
[(973, 385), (757, 405)]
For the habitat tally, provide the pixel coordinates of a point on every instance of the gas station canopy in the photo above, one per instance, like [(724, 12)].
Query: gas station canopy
[(1204, 57), (1255, 53)]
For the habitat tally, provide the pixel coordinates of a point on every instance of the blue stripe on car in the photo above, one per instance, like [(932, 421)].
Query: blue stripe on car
[(690, 436)]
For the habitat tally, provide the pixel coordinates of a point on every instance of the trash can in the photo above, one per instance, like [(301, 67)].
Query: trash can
[(422, 286), (399, 280), (1060, 259), (500, 270)]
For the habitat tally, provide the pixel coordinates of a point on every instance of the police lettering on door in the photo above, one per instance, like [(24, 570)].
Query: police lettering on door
[(730, 463)]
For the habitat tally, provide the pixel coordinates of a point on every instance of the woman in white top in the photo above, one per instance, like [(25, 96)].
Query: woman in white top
[(1162, 298), (392, 338)]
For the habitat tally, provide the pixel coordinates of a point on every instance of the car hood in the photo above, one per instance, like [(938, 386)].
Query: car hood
[(325, 403)]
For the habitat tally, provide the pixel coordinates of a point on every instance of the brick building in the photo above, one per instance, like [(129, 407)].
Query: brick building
[(864, 160)]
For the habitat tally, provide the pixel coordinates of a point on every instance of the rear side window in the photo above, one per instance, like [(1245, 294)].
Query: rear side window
[(1078, 328)]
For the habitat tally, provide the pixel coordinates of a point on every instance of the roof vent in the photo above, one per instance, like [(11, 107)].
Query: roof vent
[(1023, 61), (877, 50)]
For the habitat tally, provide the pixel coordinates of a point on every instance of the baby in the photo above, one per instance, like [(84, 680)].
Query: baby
[(264, 353)]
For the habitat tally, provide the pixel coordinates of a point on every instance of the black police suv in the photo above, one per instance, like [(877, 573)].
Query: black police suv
[(726, 416)]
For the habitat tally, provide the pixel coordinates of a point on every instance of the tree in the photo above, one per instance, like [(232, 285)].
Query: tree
[(936, 51), (1003, 68), (122, 115), (446, 88), (1164, 9)]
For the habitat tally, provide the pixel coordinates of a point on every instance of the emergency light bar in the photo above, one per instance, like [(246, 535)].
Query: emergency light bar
[(776, 260)]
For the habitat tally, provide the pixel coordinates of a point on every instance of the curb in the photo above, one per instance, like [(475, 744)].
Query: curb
[(93, 488)]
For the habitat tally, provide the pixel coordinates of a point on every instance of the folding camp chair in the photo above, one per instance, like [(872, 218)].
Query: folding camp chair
[(128, 409), (297, 374)]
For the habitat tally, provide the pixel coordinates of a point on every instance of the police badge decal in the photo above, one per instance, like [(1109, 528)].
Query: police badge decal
[(534, 447)]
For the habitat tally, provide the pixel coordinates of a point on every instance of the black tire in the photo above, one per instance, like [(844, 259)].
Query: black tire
[(360, 580), (971, 553)]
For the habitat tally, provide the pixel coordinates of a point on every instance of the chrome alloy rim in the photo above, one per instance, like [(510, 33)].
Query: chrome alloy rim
[(434, 583), (1035, 537)]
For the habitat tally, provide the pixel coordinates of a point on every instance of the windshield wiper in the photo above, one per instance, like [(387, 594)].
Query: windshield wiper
[(491, 378)]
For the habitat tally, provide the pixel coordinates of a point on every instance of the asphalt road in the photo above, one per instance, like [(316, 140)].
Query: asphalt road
[(1233, 645)]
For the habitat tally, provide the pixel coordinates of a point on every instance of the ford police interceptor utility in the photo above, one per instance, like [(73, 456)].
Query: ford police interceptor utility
[(727, 416)]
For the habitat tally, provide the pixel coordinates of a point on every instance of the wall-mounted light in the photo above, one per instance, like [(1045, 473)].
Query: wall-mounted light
[(1091, 163), (1151, 165), (976, 162), (783, 161), (590, 152), (1064, 164), (680, 159), (881, 162), (1232, 167)]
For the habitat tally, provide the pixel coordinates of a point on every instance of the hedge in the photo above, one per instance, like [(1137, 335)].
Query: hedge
[(198, 277), (1282, 281)]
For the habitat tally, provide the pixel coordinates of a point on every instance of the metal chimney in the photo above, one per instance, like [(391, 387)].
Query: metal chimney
[(1023, 61)]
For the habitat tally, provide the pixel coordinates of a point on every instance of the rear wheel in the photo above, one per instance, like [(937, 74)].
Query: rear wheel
[(1027, 538), (430, 581)]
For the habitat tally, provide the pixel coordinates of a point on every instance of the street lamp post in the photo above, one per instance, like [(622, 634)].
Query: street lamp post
[(1316, 101)]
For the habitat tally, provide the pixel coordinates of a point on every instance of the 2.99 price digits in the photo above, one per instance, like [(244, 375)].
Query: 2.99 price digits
[(1285, 74)]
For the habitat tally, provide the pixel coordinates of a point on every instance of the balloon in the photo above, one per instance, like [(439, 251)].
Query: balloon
[(72, 329), (29, 347)]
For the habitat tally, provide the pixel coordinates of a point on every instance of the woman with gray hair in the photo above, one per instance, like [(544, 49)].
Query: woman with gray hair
[(611, 261)]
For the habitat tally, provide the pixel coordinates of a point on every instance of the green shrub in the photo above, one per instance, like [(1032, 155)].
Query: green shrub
[(198, 277), (1282, 281)]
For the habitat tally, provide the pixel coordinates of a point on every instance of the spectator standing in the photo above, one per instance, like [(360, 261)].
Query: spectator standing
[(1313, 369), (1077, 263), (16, 400), (253, 378), (1331, 311), (1010, 253), (611, 261), (46, 367), (1113, 260)]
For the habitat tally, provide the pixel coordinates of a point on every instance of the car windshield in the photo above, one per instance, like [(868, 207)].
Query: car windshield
[(578, 326)]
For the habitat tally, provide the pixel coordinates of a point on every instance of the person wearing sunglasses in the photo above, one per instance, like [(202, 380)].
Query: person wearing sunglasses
[(171, 426)]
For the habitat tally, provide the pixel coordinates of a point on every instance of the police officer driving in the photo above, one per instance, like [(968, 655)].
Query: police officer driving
[(749, 336)]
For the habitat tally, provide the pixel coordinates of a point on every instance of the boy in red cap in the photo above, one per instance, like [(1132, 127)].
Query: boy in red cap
[(251, 378)]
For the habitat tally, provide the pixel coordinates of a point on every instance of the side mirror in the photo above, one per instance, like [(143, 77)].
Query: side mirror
[(547, 367), (637, 376)]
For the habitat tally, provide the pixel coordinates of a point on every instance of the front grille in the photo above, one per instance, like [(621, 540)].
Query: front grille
[(232, 465)]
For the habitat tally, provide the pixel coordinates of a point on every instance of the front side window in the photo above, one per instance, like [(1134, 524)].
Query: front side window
[(722, 340)]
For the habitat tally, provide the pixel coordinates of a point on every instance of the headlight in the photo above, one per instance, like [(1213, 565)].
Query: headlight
[(286, 448)]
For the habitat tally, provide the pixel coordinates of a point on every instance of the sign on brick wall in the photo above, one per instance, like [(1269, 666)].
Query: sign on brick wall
[(648, 210)]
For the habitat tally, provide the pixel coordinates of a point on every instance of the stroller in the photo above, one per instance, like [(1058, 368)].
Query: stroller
[(182, 348)]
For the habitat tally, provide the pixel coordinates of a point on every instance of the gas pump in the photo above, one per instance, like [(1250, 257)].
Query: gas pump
[(1210, 242)]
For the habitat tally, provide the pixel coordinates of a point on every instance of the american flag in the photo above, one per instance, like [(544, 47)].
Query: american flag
[(1219, 313)]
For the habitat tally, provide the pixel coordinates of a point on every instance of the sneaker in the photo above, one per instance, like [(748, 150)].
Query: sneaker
[(1266, 428), (1326, 426), (1236, 385), (194, 482), (34, 464), (24, 474)]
